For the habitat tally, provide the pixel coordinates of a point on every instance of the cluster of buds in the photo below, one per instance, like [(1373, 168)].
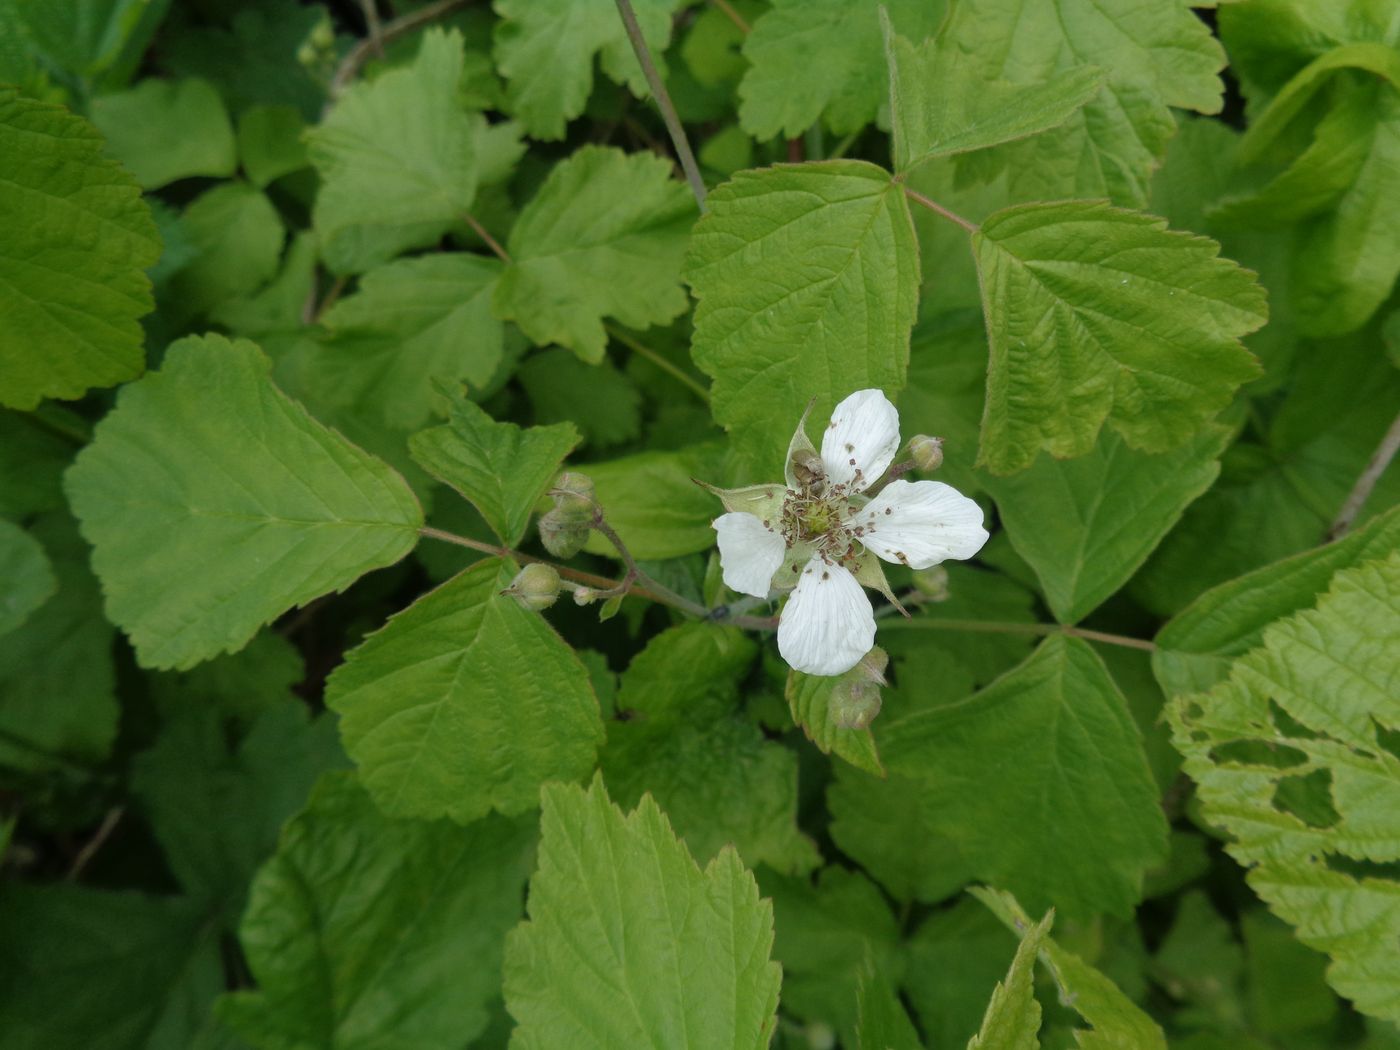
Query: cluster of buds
[(855, 699), (564, 530)]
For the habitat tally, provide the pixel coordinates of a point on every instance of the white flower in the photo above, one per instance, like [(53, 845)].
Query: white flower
[(815, 533)]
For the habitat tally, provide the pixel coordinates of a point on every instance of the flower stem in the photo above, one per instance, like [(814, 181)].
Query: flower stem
[(663, 102), (1361, 491), (938, 209), (660, 362), (1005, 627)]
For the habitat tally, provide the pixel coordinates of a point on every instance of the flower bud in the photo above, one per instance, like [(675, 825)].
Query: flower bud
[(927, 452), (323, 35), (855, 699), (562, 534), (573, 493), (535, 587), (585, 595), (932, 583), (820, 1036)]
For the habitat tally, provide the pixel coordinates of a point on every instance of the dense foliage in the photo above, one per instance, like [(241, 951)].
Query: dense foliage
[(369, 676)]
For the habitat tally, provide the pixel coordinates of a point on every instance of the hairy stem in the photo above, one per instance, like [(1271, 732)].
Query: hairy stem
[(372, 24), (1002, 627), (1361, 491), (660, 362), (938, 209), (358, 55), (663, 102)]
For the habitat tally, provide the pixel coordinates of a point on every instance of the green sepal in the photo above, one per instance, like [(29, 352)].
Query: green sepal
[(764, 502), (870, 573), (800, 449)]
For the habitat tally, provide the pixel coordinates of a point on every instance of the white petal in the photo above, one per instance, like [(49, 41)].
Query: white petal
[(862, 437), (921, 523), (749, 553), (827, 624)]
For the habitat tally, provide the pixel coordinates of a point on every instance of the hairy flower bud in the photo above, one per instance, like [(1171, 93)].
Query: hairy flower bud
[(573, 493), (932, 583), (535, 587), (855, 699), (585, 595), (562, 534), (926, 452)]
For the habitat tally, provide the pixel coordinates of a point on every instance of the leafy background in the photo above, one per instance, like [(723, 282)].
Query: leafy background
[(290, 291)]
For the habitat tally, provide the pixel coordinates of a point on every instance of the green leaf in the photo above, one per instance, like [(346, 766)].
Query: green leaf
[(28, 576), (464, 703), (686, 744), (57, 681), (822, 59), (104, 970), (1194, 651), (954, 961), (1287, 988), (367, 931), (941, 106), (809, 700), (545, 49), (1094, 825), (1154, 56), (807, 279), (600, 400), (651, 499), (501, 468), (1199, 963), (1085, 525), (69, 324), (1116, 1023), (619, 912), (97, 41), (33, 456), (409, 325), (241, 686), (1013, 1016), (164, 130), (215, 504), (1096, 314), (1312, 711), (881, 1022), (399, 160), (217, 811), (237, 237), (604, 237), (270, 143)]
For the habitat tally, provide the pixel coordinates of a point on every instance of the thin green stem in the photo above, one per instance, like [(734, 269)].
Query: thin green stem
[(663, 102), (938, 209), (660, 362), (931, 623)]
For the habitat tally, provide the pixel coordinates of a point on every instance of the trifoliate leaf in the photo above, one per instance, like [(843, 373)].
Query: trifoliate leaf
[(57, 680), (1080, 759), (217, 811), (827, 931), (215, 504), (104, 970), (599, 399), (941, 106), (686, 743), (501, 468), (1116, 1022), (1096, 314), (545, 49), (1012, 1020), (410, 324), (815, 59), (29, 580), (651, 499), (1310, 716), (619, 912), (270, 143), (1154, 56), (237, 236), (1087, 524), (604, 237), (366, 931), (1195, 649), (164, 130), (809, 700), (78, 239), (807, 279), (464, 703), (399, 158), (881, 1022)]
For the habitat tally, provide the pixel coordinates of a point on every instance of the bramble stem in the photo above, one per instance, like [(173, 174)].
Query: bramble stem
[(660, 362), (372, 24), (491, 242), (358, 55), (1361, 491), (938, 209), (663, 102), (733, 15), (1004, 627)]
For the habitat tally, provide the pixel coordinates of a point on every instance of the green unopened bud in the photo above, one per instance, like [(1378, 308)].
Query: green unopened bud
[(535, 587), (855, 699), (820, 1036), (563, 535), (585, 595), (323, 35), (573, 493), (932, 583), (926, 452), (306, 55)]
